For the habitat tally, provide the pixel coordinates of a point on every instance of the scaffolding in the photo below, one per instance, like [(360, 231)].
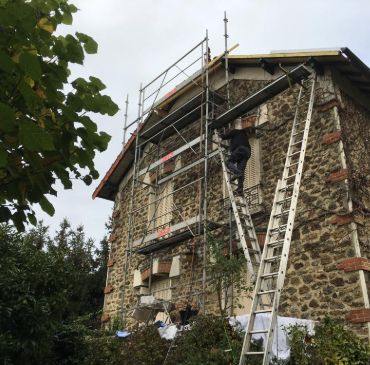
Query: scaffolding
[(172, 154), (153, 154)]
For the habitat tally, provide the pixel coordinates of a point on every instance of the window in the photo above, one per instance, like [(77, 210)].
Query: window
[(161, 205), (252, 171), (161, 288), (252, 176)]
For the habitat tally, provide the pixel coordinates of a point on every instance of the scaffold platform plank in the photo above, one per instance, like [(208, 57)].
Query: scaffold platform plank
[(181, 116), (172, 235), (272, 89)]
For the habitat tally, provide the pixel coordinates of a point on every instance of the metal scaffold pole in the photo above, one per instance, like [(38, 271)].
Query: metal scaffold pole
[(125, 122), (205, 177), (226, 61), (128, 250)]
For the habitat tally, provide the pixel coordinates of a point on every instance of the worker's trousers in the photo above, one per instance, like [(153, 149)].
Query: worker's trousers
[(237, 163)]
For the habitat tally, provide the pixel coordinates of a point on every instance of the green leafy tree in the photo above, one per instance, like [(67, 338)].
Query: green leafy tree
[(46, 132), (227, 272), (50, 293), (33, 290)]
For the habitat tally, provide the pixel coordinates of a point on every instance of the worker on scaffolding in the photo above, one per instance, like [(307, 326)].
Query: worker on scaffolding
[(240, 152)]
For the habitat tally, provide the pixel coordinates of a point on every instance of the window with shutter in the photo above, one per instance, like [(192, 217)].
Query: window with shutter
[(161, 205), (252, 178), (164, 211), (161, 288), (252, 171)]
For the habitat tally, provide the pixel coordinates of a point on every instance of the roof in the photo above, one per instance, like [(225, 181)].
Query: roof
[(342, 59)]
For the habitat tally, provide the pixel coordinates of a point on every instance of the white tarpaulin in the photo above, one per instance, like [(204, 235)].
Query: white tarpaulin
[(280, 346)]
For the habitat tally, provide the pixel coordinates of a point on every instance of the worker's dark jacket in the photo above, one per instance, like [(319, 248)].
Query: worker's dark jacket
[(238, 138)]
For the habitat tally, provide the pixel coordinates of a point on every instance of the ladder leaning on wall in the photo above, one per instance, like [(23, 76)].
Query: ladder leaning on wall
[(274, 260), (242, 217)]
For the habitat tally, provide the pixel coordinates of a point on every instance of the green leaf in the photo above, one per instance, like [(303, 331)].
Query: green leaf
[(67, 18), (90, 45), (3, 157), (72, 8), (5, 214), (87, 179), (46, 206), (32, 219), (6, 63), (35, 138), (30, 64), (7, 118), (97, 83)]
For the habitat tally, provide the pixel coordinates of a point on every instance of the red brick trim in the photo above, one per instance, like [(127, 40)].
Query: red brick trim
[(111, 262), (234, 247), (328, 105), (331, 138), (152, 177), (105, 318), (112, 237), (338, 175), (145, 274), (261, 237), (360, 315), (108, 289), (164, 267), (168, 167), (341, 220), (249, 121), (354, 264)]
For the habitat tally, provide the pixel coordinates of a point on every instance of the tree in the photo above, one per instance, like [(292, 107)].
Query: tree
[(46, 132), (50, 292), (227, 272), (32, 286)]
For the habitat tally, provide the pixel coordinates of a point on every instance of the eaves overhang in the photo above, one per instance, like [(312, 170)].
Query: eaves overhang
[(343, 60)]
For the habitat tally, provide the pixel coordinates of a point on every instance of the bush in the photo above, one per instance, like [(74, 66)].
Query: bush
[(332, 344)]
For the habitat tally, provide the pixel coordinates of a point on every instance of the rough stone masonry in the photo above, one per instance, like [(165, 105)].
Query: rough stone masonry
[(329, 257)]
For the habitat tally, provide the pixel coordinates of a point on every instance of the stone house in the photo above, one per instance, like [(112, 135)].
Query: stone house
[(158, 241)]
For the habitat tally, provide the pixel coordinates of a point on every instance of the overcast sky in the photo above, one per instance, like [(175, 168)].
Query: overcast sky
[(138, 39)]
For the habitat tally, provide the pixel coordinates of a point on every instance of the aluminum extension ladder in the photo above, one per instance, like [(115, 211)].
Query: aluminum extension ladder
[(274, 260), (243, 220)]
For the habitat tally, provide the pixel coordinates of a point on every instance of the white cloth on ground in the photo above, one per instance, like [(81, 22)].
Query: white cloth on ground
[(280, 345)]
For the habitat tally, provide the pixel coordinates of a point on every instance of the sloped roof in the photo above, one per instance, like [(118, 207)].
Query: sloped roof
[(342, 59)]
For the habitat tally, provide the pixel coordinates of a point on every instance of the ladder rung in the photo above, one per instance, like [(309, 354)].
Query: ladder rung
[(258, 331), (251, 353), (278, 229), (285, 212), (286, 187), (284, 200), (263, 311), (302, 130), (293, 164), (290, 177), (270, 275), (267, 292), (273, 258), (275, 243), (295, 153), (295, 143)]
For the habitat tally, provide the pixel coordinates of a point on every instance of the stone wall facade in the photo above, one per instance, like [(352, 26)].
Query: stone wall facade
[(336, 163)]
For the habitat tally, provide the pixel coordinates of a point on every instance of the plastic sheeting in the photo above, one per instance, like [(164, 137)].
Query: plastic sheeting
[(122, 334), (168, 332), (280, 347)]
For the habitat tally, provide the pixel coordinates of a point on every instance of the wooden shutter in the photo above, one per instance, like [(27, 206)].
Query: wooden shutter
[(161, 288), (253, 170), (165, 203)]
